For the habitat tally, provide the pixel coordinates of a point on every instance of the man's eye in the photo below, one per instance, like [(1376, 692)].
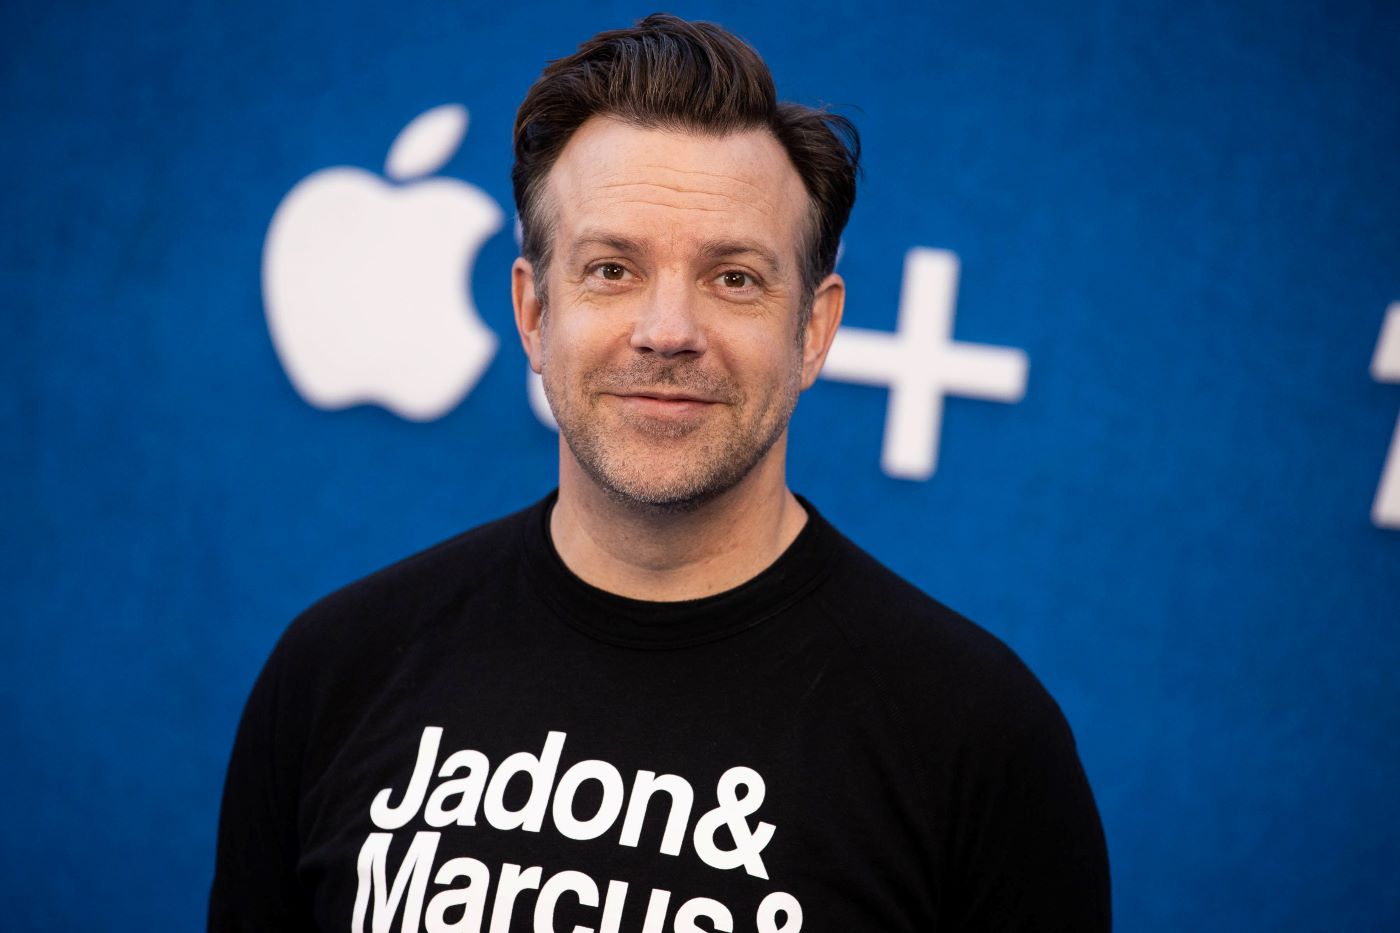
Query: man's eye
[(610, 271), (736, 279)]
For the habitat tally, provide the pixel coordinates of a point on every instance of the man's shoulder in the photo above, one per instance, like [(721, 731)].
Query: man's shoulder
[(396, 601), (925, 654), (881, 610), (1003, 786)]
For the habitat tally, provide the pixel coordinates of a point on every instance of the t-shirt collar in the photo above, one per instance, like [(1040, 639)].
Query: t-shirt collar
[(644, 624)]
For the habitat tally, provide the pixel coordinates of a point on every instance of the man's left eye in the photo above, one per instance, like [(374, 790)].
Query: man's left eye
[(733, 279)]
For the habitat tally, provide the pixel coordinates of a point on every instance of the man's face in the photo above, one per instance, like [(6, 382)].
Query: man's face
[(669, 346)]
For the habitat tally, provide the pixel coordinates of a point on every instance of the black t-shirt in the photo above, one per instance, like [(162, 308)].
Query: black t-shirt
[(475, 739)]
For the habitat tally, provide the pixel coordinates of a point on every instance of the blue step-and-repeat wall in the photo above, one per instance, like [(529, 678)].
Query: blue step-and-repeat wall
[(1120, 380)]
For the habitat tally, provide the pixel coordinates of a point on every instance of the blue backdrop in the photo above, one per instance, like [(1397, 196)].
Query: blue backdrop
[(1186, 215)]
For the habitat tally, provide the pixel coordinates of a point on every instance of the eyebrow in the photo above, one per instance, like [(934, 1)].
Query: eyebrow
[(725, 249), (710, 249), (611, 241)]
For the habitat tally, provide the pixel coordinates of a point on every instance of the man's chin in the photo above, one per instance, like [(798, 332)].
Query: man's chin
[(665, 468), (652, 488)]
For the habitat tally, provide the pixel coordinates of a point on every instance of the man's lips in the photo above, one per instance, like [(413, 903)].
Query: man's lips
[(663, 404), (667, 397)]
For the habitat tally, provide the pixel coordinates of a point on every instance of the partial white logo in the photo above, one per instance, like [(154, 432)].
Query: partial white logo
[(539, 402), (1385, 367), (921, 363), (367, 282)]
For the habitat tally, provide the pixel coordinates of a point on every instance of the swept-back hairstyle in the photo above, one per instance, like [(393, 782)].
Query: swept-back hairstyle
[(672, 74)]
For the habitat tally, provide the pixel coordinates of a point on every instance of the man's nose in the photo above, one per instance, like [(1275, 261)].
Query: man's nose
[(668, 321)]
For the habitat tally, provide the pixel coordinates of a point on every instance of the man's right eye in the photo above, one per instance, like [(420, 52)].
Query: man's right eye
[(611, 271)]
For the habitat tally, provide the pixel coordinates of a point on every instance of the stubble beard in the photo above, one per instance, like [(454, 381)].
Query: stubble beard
[(702, 469)]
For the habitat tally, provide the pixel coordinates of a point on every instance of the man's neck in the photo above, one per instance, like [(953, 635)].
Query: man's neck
[(656, 554)]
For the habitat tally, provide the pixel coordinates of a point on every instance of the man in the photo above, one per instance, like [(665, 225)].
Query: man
[(669, 697)]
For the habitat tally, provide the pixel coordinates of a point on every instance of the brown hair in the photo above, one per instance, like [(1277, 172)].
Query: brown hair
[(672, 74)]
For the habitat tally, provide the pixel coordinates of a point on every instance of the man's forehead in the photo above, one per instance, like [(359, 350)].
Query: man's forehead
[(736, 187), (608, 146)]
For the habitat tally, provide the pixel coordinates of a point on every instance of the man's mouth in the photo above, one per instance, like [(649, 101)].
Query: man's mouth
[(663, 404), (665, 396)]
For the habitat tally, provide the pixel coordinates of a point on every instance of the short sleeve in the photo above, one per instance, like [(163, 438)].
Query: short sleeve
[(1029, 852), (255, 885)]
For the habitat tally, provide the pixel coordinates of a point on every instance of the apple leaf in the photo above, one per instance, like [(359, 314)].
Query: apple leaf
[(426, 144)]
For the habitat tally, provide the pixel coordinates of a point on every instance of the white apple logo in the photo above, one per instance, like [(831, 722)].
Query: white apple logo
[(367, 283)]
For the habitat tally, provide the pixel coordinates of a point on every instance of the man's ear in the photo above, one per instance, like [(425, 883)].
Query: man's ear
[(827, 304), (529, 310)]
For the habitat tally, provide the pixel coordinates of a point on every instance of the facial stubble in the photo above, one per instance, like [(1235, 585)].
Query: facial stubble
[(733, 439)]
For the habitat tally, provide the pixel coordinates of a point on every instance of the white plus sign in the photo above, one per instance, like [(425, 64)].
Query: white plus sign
[(921, 363), (1385, 367)]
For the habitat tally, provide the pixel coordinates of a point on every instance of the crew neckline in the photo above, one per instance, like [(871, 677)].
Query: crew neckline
[(646, 624)]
